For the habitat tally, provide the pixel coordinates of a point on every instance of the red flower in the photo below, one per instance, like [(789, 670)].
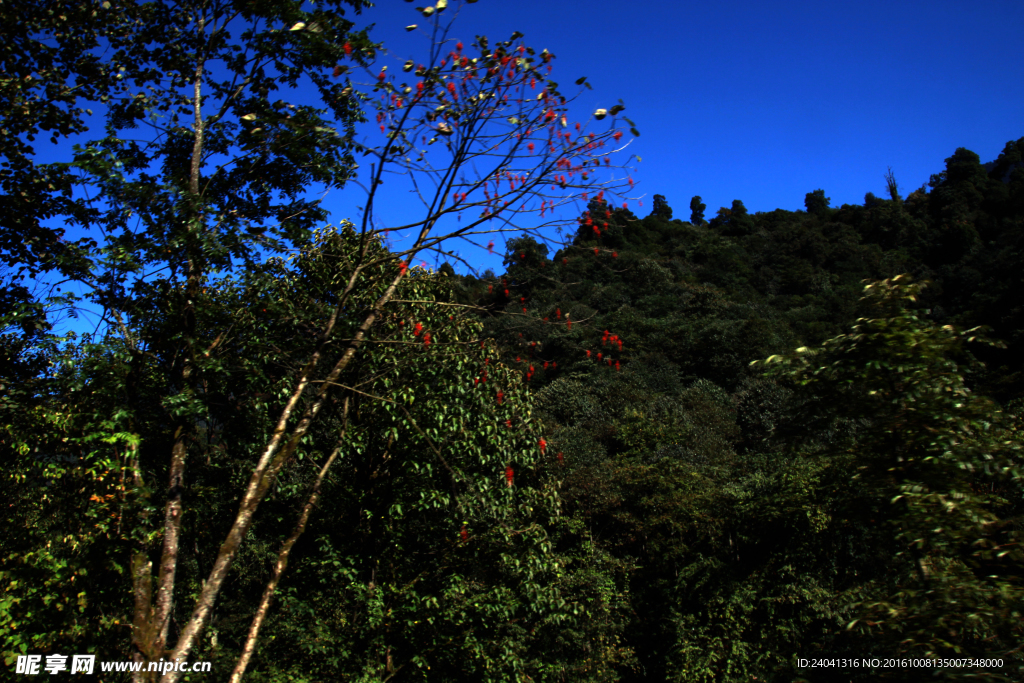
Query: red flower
[(554, 364), (348, 49), (490, 288), (568, 324), (337, 71), (531, 369), (501, 397), (561, 460), (402, 267), (558, 313), (545, 365), (543, 444), (588, 353), (426, 339), (381, 76), (595, 251), (508, 475), (506, 292), (524, 309), (518, 359), (451, 88), (599, 355), (522, 299), (620, 345), (530, 147), (419, 328), (458, 46), (508, 423), (615, 254), (464, 534), (616, 366), (617, 136)]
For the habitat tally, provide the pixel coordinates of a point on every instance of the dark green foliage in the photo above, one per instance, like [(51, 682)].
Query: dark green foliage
[(817, 203), (743, 499), (696, 515), (697, 210), (661, 209)]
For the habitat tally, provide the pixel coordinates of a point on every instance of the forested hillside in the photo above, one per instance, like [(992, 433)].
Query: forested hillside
[(703, 450), (769, 514)]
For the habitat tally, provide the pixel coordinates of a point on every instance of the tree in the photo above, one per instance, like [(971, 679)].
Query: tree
[(946, 464), (661, 208), (816, 202), (697, 211), (893, 187), (192, 225)]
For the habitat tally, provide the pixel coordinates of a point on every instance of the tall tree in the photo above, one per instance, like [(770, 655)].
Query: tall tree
[(661, 208), (697, 210), (172, 232), (816, 202)]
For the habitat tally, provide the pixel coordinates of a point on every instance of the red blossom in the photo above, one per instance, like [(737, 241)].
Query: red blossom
[(419, 328), (530, 147), (617, 136), (543, 444), (501, 397), (402, 267), (348, 49), (458, 46), (508, 475), (588, 353), (426, 339), (464, 534), (599, 355), (615, 254), (595, 251), (490, 247), (508, 423), (561, 460)]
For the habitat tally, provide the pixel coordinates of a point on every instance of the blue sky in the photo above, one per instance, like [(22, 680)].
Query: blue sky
[(759, 101), (767, 101)]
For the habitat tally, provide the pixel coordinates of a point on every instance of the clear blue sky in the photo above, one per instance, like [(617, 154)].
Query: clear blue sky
[(765, 101), (759, 101)]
